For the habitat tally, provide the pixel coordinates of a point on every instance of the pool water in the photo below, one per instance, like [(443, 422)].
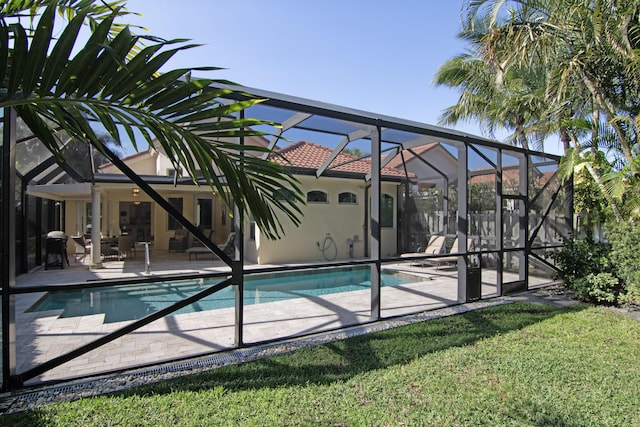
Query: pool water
[(130, 302)]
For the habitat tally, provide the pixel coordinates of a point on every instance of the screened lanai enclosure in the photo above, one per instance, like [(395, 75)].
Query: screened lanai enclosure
[(400, 217)]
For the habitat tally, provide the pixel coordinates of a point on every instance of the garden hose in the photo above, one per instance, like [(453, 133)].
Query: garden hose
[(326, 248)]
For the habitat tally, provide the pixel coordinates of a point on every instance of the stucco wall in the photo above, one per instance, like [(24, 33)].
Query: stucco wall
[(340, 221), (143, 163)]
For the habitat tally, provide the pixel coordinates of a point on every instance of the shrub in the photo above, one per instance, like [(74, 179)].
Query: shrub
[(601, 288), (625, 258), (603, 273), (585, 268), (579, 258)]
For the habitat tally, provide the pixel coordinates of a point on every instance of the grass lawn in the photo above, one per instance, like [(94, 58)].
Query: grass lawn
[(518, 364)]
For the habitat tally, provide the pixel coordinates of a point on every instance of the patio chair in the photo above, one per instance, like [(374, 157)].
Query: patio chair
[(125, 246), (180, 241), (81, 247), (108, 249), (197, 243), (435, 246)]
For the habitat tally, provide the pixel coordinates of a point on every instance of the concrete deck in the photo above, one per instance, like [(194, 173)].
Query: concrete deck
[(44, 335)]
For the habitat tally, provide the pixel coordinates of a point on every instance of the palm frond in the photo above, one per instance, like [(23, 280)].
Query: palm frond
[(108, 83)]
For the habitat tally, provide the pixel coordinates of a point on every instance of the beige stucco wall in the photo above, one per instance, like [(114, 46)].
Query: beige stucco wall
[(143, 163), (340, 221), (163, 165), (71, 227)]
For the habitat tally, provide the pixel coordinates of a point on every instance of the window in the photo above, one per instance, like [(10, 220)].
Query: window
[(317, 196), (386, 211), (176, 202), (172, 172), (347, 198)]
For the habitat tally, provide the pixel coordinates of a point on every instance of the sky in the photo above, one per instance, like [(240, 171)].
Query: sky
[(375, 55)]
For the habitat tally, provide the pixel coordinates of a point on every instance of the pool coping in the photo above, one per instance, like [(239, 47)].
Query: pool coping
[(44, 304)]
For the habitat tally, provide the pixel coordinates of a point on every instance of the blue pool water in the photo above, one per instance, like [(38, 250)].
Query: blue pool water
[(130, 302)]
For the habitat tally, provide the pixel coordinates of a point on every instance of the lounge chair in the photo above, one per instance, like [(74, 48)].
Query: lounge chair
[(435, 246), (227, 247), (452, 258)]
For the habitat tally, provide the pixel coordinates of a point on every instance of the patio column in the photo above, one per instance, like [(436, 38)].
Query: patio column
[(96, 260)]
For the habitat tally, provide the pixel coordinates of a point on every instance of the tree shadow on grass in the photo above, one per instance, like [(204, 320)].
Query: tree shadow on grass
[(342, 360)]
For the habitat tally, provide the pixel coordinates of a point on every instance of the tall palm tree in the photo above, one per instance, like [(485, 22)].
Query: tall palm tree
[(495, 96), (113, 82), (586, 46), (514, 103), (590, 52)]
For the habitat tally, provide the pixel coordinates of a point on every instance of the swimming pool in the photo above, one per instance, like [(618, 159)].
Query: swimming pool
[(130, 302)]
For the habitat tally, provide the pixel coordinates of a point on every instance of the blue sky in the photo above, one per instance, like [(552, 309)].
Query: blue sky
[(374, 55)]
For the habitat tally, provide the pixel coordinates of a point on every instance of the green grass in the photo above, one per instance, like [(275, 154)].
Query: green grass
[(518, 364)]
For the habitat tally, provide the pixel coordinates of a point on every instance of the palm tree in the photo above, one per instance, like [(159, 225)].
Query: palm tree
[(585, 45), (589, 52), (497, 97), (113, 82)]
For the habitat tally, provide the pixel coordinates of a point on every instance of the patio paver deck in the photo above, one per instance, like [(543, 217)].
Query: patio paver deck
[(44, 335)]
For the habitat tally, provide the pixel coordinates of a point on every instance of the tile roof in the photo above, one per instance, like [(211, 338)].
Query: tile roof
[(509, 174), (308, 155)]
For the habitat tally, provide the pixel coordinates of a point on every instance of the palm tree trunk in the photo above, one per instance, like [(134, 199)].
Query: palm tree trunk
[(521, 134), (566, 140)]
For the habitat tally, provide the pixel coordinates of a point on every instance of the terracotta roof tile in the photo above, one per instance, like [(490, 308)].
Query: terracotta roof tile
[(308, 155), (509, 174)]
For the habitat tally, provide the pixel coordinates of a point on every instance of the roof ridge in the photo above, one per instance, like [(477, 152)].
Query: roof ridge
[(311, 155)]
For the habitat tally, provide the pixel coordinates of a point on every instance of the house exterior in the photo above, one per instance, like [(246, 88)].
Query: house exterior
[(337, 205)]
